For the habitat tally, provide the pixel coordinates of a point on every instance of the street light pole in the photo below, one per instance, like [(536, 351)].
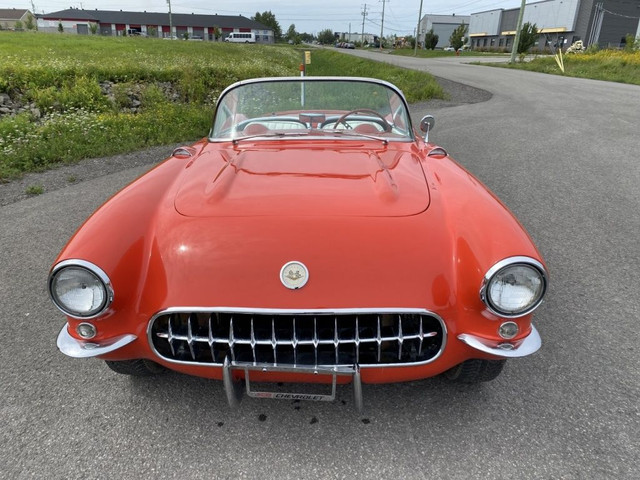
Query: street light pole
[(415, 51)]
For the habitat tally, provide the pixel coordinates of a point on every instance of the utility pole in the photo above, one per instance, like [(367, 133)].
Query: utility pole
[(415, 52), (516, 40), (33, 7), (170, 21), (349, 32), (382, 24), (364, 14)]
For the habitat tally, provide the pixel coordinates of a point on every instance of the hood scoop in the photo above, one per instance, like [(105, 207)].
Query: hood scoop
[(303, 182)]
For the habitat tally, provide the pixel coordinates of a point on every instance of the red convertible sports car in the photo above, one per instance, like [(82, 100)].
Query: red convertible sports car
[(313, 237)]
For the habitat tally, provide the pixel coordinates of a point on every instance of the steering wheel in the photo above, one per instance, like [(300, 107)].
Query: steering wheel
[(385, 125)]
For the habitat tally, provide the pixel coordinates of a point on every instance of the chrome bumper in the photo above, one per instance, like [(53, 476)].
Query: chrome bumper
[(529, 345), (78, 349)]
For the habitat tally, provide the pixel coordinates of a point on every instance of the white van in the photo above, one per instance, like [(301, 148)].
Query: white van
[(241, 37)]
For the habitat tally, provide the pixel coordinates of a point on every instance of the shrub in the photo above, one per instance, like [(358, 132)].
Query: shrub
[(34, 190), (528, 38)]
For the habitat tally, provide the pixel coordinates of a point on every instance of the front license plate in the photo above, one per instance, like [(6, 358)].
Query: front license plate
[(314, 397)]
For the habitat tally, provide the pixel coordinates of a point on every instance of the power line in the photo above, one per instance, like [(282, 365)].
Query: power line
[(618, 14)]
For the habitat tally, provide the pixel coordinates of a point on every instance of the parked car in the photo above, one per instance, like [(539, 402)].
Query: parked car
[(449, 49), (313, 236)]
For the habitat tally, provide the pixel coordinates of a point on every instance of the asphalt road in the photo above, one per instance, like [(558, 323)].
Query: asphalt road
[(562, 154)]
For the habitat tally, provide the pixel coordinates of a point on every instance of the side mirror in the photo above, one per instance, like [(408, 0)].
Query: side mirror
[(426, 125)]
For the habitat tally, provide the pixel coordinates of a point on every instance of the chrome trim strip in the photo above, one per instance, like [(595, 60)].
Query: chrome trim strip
[(315, 369), (183, 152), (104, 278), (437, 152), (286, 311), (77, 349), (532, 262), (529, 345)]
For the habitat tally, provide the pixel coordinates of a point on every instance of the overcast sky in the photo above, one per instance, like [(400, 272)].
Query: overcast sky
[(311, 16)]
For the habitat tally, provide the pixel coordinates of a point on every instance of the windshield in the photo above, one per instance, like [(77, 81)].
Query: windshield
[(312, 106)]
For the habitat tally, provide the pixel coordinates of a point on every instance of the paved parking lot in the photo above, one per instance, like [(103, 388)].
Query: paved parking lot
[(562, 153)]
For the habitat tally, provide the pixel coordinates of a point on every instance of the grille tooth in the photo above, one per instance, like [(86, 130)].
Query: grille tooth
[(336, 340), (170, 337), (231, 340), (211, 341), (303, 340), (294, 342), (190, 336), (421, 334), (253, 341), (357, 338), (315, 340), (400, 339), (379, 339), (274, 342)]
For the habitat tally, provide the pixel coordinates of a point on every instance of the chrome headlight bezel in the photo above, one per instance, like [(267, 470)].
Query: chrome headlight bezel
[(96, 272), (534, 265)]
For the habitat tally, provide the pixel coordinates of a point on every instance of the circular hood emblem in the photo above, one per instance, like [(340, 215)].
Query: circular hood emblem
[(294, 275)]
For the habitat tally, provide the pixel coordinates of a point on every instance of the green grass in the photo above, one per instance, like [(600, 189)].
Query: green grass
[(61, 76), (414, 84), (609, 65), (34, 190)]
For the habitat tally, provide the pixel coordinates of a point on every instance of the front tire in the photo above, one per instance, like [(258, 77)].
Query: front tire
[(135, 368), (475, 371)]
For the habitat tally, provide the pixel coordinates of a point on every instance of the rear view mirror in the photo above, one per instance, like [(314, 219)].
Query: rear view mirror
[(426, 125)]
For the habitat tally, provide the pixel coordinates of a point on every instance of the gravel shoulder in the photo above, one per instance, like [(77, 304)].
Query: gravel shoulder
[(65, 175)]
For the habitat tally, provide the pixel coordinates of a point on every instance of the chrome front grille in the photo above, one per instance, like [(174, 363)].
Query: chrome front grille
[(301, 339)]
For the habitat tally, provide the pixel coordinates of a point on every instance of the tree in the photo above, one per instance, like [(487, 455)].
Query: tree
[(17, 25), (528, 37), (306, 37), (326, 37), (631, 43), (292, 36), (268, 19), (456, 40), (60, 27), (411, 41), (93, 28), (29, 23), (431, 40)]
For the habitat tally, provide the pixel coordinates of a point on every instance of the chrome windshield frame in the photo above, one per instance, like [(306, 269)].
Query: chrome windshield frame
[(364, 80)]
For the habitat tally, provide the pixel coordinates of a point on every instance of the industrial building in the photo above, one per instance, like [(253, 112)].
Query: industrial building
[(560, 22), (152, 24), (443, 26)]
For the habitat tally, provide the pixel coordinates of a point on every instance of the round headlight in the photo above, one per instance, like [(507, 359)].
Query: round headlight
[(80, 289), (514, 287)]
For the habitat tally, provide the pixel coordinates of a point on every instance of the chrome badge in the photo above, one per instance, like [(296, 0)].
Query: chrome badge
[(294, 275)]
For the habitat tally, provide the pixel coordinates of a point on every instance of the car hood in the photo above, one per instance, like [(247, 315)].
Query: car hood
[(258, 181)]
